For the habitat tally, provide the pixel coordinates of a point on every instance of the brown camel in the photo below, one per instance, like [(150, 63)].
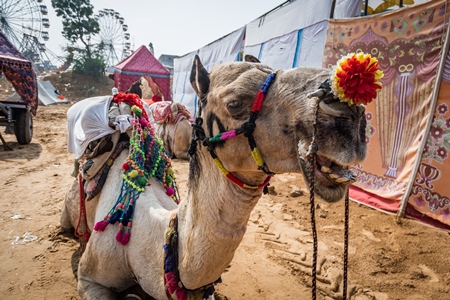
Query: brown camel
[(212, 219)]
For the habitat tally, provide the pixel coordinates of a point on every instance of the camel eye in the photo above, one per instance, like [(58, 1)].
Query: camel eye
[(233, 105)]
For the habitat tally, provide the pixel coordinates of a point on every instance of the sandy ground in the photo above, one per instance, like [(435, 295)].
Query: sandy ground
[(387, 260)]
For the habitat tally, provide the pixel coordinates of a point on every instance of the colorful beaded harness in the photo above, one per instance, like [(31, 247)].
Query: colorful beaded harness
[(247, 129), (147, 159)]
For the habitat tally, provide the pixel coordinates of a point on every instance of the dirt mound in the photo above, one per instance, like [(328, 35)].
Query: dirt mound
[(76, 87)]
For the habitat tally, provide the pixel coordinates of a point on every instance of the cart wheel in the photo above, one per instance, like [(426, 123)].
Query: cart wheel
[(23, 127)]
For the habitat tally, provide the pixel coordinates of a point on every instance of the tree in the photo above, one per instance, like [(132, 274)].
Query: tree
[(79, 25)]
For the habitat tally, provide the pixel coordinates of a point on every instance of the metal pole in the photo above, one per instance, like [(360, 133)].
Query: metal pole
[(366, 7), (333, 5)]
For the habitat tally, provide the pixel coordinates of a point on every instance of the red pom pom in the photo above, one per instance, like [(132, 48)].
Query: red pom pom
[(143, 122), (119, 236), (100, 226), (125, 238), (170, 191), (125, 166)]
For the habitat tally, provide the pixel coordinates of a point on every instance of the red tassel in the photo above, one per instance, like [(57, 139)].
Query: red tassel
[(171, 282), (125, 238), (119, 236), (181, 294), (100, 226)]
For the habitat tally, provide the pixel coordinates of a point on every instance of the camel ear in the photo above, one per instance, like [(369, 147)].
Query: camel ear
[(251, 58), (199, 78)]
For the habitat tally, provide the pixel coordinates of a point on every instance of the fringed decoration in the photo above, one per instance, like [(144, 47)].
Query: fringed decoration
[(172, 281), (147, 159)]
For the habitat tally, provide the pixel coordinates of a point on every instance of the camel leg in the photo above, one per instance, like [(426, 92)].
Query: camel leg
[(6, 147), (89, 290)]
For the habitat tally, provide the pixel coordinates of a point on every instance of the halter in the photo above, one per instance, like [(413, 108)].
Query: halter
[(246, 129)]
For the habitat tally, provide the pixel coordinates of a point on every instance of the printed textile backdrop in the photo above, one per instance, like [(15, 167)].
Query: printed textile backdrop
[(408, 44)]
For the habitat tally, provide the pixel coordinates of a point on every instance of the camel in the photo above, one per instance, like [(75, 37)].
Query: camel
[(175, 132), (225, 182), (173, 127)]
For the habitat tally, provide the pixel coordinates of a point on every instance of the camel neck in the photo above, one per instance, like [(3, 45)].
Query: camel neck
[(211, 223)]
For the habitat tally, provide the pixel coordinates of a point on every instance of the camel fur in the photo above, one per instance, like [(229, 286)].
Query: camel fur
[(212, 218), (176, 137)]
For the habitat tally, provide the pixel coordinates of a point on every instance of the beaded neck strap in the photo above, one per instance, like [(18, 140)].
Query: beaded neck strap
[(247, 129)]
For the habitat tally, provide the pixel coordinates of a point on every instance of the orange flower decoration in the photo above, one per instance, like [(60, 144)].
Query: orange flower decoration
[(356, 80)]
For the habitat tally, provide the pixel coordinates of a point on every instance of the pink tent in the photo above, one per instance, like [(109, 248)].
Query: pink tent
[(142, 63)]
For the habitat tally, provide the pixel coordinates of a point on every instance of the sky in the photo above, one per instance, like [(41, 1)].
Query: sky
[(174, 27)]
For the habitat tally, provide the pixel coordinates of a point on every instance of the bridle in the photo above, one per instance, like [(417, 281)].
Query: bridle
[(198, 134)]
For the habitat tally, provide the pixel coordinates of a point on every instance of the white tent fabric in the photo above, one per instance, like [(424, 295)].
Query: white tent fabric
[(46, 94), (312, 38), (296, 49), (223, 50), (348, 8), (279, 52), (292, 17), (182, 89), (226, 49), (296, 15), (290, 36)]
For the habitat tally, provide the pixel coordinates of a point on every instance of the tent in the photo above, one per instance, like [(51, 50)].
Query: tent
[(19, 71), (142, 63), (408, 125)]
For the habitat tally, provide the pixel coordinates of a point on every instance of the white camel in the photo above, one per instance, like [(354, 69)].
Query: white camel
[(212, 219)]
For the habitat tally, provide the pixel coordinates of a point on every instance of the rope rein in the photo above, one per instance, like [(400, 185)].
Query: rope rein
[(311, 156)]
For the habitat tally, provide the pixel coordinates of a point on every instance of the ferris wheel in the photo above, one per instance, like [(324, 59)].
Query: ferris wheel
[(25, 23), (113, 38)]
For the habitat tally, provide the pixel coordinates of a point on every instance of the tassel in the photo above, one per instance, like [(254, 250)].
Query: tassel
[(181, 294), (119, 236), (100, 225), (125, 238), (171, 282)]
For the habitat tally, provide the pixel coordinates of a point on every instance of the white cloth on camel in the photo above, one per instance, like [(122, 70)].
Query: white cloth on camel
[(87, 122)]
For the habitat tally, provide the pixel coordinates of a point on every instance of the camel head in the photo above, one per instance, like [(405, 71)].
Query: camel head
[(135, 88), (284, 127)]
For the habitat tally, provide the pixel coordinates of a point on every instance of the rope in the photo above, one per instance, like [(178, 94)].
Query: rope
[(346, 223), (82, 231), (311, 156), (312, 162)]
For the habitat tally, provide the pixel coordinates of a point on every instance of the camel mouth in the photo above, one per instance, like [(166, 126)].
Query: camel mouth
[(330, 177), (333, 172)]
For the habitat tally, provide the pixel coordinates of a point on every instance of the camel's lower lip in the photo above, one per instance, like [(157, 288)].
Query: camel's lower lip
[(328, 173)]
